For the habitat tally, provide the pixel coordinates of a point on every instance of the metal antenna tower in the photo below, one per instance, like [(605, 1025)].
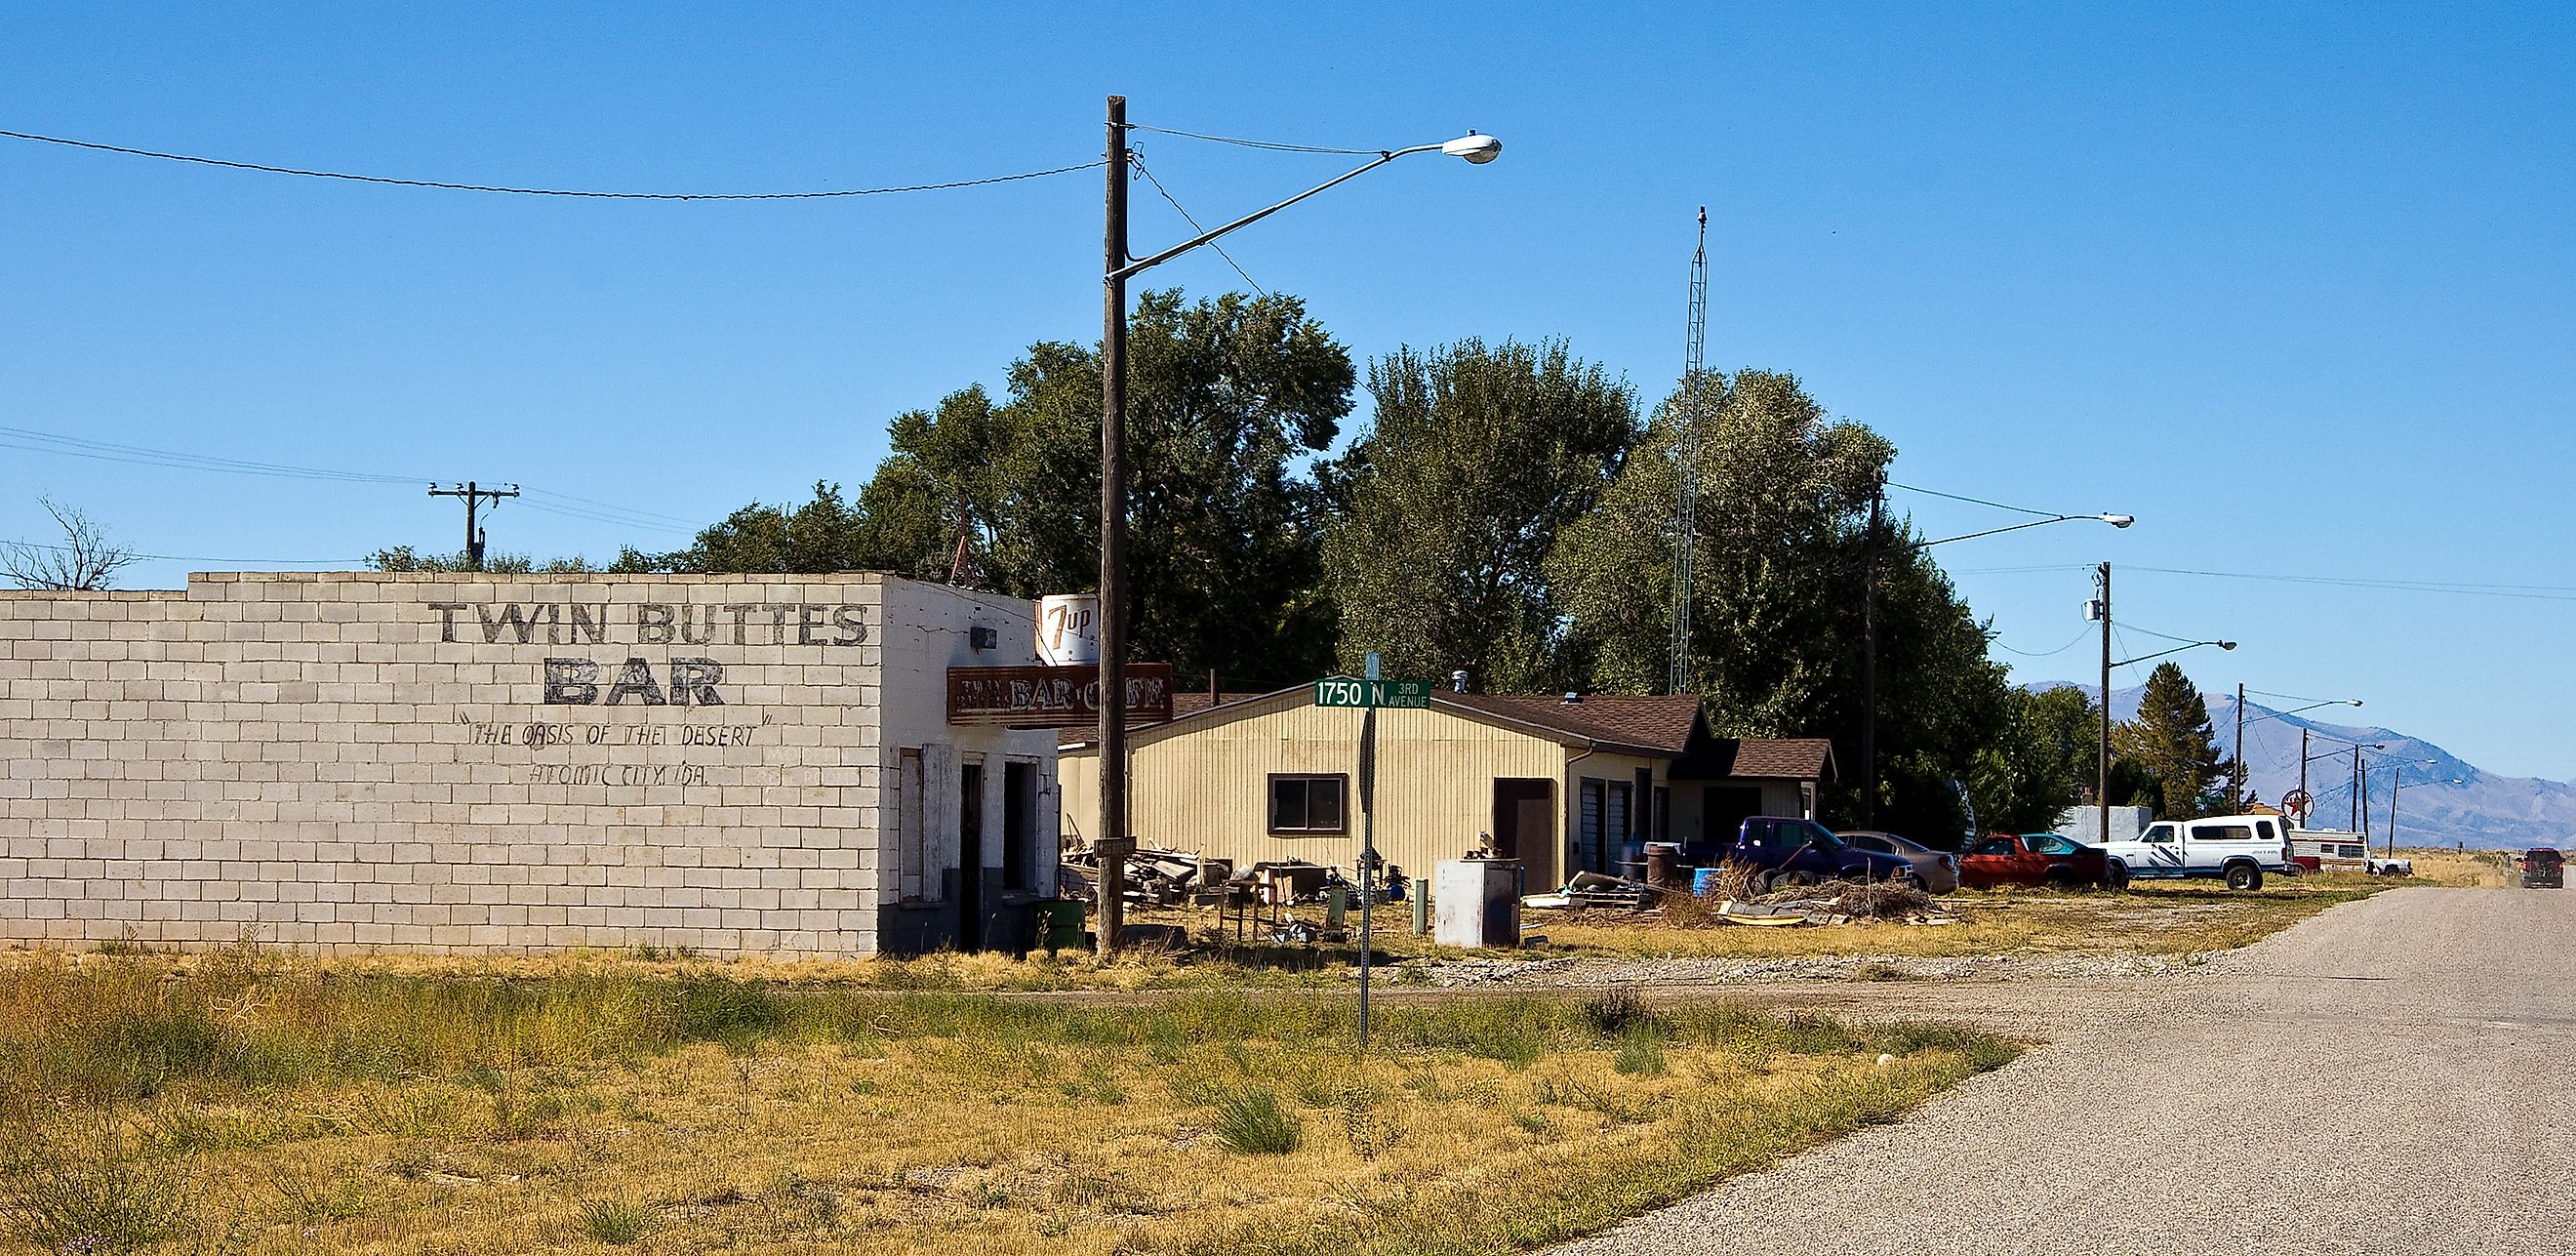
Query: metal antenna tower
[(1686, 517)]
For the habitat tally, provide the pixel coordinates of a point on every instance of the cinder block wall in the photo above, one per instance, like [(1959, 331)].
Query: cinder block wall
[(345, 761)]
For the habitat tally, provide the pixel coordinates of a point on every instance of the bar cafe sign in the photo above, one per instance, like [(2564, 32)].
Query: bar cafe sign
[(1052, 697)]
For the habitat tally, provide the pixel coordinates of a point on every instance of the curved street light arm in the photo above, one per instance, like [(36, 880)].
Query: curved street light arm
[(1141, 264), (2117, 521), (2178, 649), (2274, 715)]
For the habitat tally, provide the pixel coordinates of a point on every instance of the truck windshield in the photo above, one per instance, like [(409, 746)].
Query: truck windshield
[(1823, 837)]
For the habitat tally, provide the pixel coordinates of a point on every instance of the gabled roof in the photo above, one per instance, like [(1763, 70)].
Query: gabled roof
[(1659, 724), (1654, 726), (1770, 758)]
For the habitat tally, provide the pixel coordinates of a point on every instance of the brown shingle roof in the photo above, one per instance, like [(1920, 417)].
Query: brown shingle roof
[(1771, 758), (1658, 723)]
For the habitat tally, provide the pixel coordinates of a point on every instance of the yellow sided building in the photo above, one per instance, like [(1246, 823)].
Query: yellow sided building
[(1563, 784)]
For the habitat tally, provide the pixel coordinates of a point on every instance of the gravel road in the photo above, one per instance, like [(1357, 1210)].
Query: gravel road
[(2396, 1075)]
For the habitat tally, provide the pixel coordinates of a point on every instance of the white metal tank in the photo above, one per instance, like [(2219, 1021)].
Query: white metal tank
[(1476, 902)]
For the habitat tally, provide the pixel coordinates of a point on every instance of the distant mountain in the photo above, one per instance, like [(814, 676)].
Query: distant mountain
[(2448, 800)]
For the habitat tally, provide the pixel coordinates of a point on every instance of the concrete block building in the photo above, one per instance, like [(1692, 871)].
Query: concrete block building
[(456, 763)]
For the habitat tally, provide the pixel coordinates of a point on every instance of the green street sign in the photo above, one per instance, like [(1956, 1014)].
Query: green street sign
[(1413, 695), (1342, 691)]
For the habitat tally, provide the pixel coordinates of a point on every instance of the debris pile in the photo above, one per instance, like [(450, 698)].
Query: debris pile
[(1832, 903), (1594, 890), (1155, 878), (1734, 898)]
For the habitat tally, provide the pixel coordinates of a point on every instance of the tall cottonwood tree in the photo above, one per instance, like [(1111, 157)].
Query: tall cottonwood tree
[(1227, 399), (1445, 512), (2041, 761), (2173, 742), (1781, 555)]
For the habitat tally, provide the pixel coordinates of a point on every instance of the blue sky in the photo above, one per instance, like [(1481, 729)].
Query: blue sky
[(2289, 283)]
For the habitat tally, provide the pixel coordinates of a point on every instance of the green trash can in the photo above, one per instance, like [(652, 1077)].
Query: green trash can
[(1060, 923)]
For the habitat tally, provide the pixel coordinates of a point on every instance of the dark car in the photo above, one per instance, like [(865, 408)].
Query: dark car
[(1938, 870), (2543, 868), (1802, 852), (2051, 859)]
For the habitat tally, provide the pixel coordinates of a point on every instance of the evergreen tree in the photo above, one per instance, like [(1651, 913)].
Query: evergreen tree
[(2174, 745)]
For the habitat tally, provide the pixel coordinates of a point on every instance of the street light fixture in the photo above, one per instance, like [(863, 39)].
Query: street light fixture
[(2304, 760), (1869, 637), (1117, 268), (2102, 779), (2236, 802), (2357, 747)]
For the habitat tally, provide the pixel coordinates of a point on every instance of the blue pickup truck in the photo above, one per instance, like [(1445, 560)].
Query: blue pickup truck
[(1802, 852)]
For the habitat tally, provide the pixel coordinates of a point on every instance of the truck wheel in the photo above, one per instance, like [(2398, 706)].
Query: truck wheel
[(2244, 877)]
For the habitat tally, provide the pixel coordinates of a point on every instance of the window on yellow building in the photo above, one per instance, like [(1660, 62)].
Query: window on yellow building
[(1307, 804)]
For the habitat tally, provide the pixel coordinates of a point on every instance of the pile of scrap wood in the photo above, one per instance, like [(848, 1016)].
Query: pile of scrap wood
[(1597, 890), (1155, 878), (1833, 903)]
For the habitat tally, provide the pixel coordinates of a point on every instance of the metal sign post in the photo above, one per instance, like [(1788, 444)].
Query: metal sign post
[(1370, 692), (1368, 841)]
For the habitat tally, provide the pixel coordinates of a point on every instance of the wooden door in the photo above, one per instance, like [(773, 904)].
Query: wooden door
[(1525, 826)]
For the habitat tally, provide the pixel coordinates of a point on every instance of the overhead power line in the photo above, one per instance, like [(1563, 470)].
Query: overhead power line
[(195, 558), (1270, 145), (2080, 638), (2289, 697), (1137, 160), (443, 185), (1977, 501), (111, 451), (563, 504), (2533, 592), (2164, 635)]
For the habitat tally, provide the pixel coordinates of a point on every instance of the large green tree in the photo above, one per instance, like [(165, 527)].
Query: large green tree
[(1227, 401), (2041, 761), (1445, 512), (1781, 553), (2172, 741)]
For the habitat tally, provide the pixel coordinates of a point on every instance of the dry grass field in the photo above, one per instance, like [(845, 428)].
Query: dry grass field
[(246, 1102)]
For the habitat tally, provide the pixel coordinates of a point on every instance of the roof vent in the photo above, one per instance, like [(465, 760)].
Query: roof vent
[(1458, 681), (1573, 699)]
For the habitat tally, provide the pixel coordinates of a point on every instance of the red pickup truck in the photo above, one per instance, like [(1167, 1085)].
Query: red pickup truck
[(2050, 859)]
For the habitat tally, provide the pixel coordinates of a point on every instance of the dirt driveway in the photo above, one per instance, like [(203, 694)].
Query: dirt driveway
[(2396, 1075)]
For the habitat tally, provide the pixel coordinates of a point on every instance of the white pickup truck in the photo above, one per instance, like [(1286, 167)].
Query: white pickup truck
[(2236, 849)]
